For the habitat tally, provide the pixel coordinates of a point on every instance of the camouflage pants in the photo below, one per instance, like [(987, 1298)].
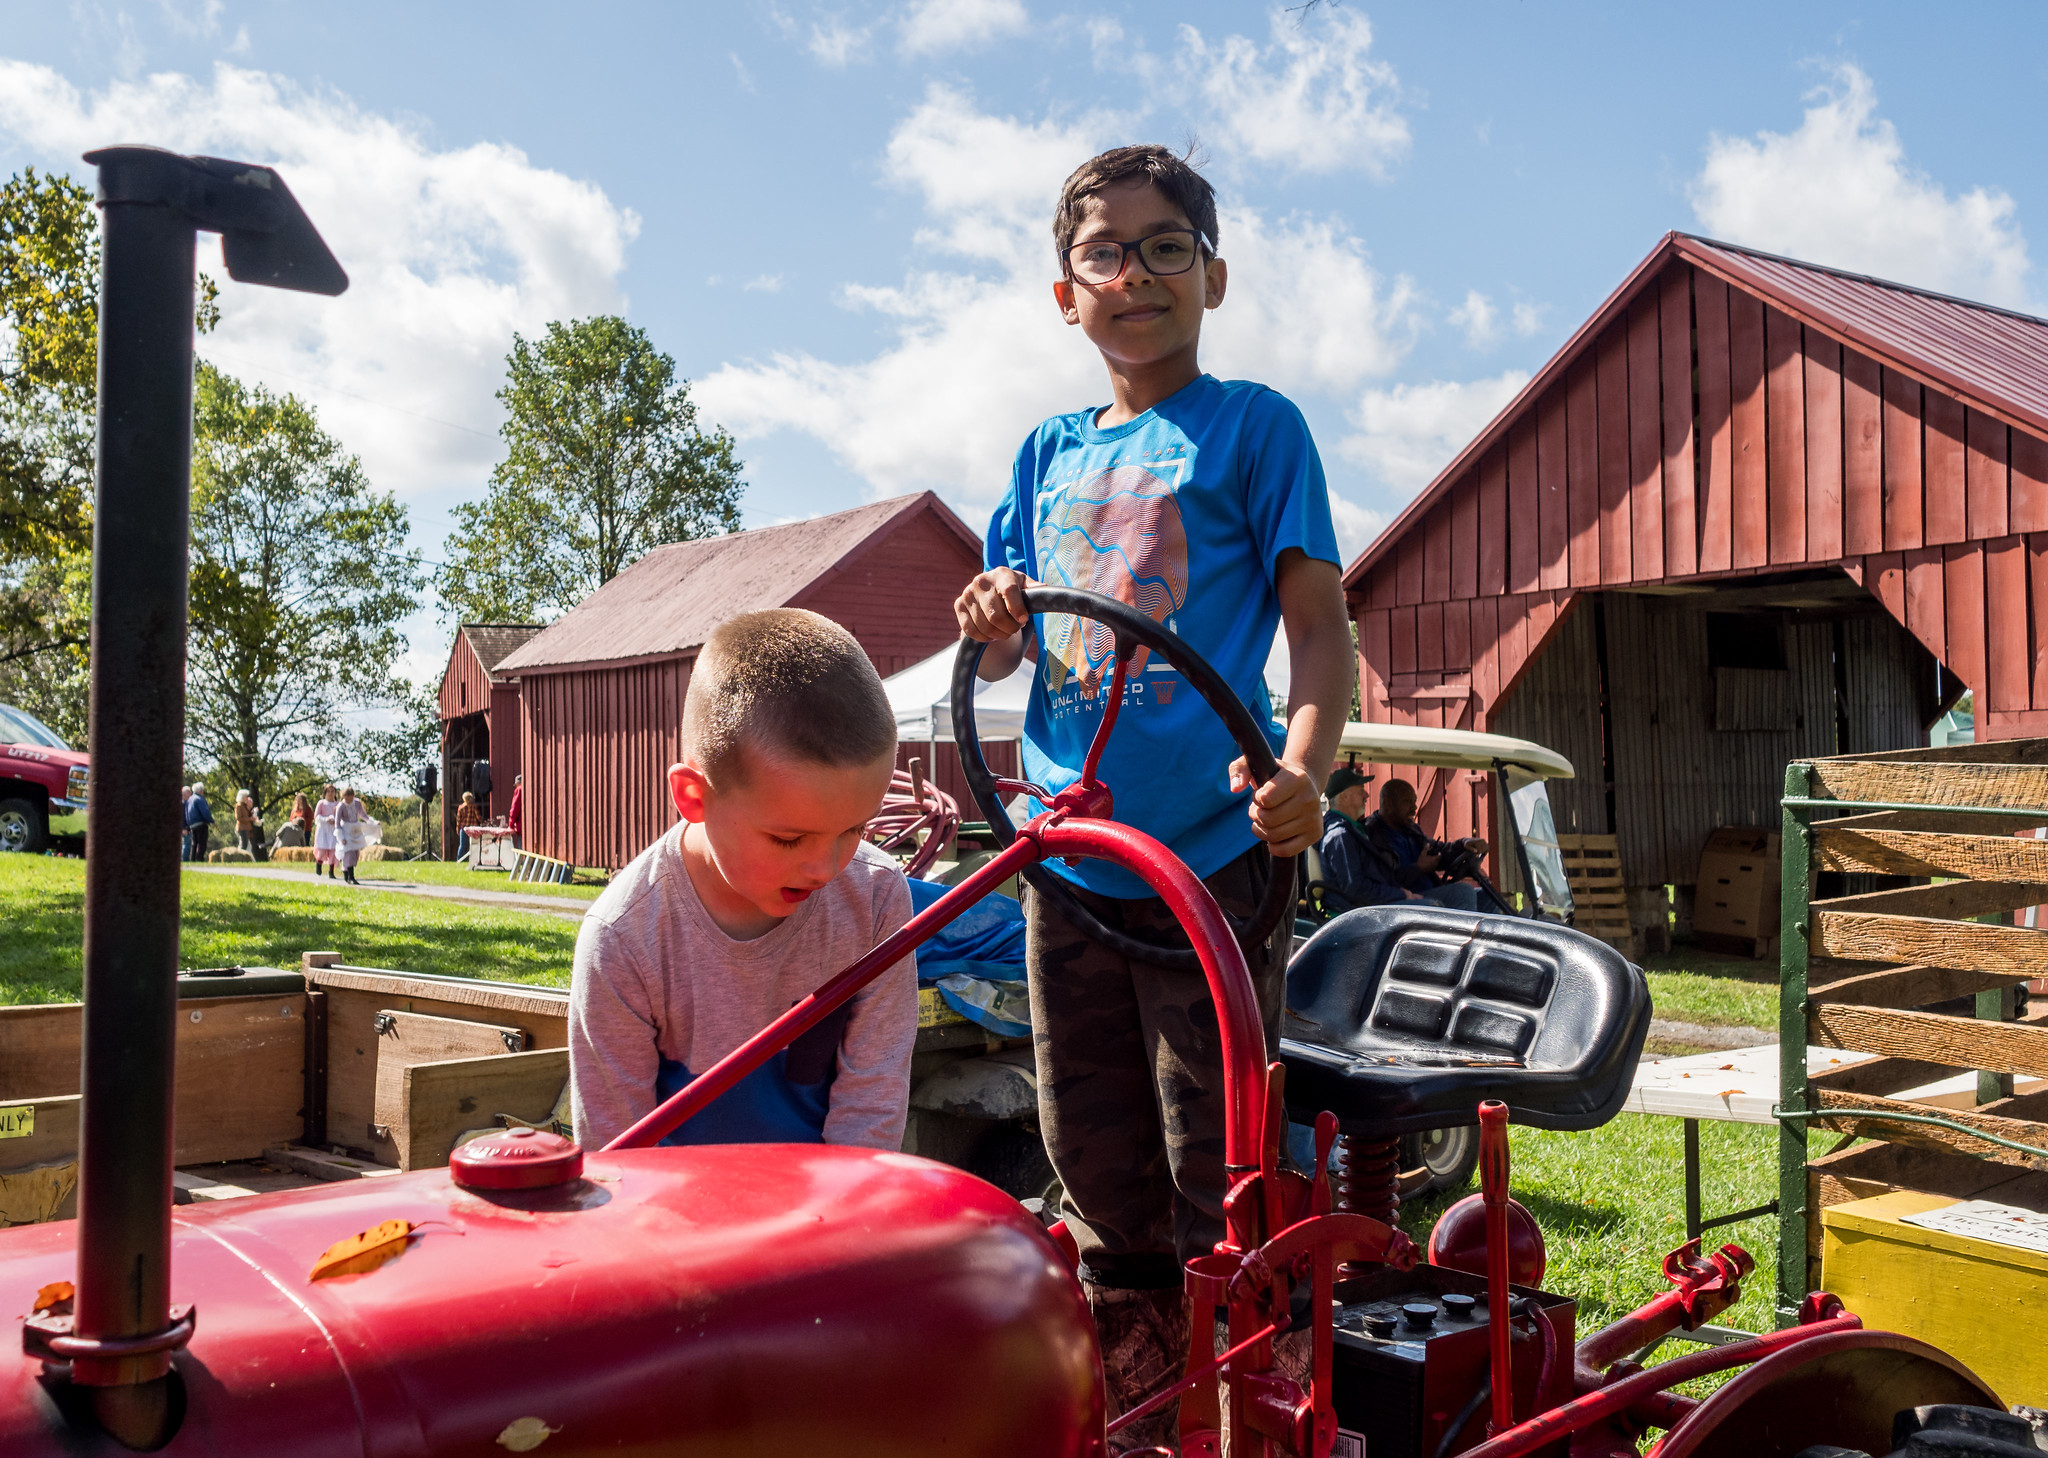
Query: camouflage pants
[(1130, 1078)]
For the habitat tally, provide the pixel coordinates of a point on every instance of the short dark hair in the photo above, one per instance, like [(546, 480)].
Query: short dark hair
[(1396, 787), (789, 682), (1174, 176)]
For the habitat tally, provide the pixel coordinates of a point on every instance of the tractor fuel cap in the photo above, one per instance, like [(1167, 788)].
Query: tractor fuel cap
[(516, 1159)]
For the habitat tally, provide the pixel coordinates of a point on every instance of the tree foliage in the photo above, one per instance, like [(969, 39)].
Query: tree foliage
[(300, 578), (604, 461)]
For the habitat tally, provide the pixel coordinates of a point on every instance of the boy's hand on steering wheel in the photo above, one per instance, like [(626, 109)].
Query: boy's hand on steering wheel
[(992, 605), (1287, 811)]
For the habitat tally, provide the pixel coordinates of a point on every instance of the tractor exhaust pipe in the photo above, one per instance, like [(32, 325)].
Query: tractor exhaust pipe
[(122, 1332)]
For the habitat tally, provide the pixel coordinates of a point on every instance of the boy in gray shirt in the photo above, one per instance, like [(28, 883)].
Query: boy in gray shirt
[(763, 890)]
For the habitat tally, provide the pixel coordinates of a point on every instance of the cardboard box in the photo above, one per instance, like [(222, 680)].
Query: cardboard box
[(1982, 1303), (1735, 907)]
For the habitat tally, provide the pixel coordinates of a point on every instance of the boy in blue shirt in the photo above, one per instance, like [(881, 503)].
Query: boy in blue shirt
[(1202, 503)]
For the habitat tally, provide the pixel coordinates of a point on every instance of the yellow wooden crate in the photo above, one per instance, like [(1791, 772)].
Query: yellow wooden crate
[(934, 1011), (1982, 1302)]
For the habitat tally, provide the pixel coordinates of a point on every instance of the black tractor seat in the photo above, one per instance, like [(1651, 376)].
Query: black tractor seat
[(1402, 1018)]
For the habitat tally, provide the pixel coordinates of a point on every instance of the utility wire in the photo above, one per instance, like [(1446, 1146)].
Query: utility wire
[(351, 394)]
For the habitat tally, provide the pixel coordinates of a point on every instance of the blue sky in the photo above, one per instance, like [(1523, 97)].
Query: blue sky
[(835, 217)]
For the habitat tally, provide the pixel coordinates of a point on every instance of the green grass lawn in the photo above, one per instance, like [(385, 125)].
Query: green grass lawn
[(237, 919)]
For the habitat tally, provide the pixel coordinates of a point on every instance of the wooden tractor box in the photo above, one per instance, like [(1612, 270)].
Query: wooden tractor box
[(285, 1078)]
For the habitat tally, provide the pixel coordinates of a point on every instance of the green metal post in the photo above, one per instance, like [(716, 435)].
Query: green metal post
[(1796, 851), (1999, 1005)]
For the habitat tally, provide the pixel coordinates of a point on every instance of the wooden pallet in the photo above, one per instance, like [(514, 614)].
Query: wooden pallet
[(1592, 867)]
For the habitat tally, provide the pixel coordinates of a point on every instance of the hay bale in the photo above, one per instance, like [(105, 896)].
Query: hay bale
[(231, 856), (383, 853), (291, 853)]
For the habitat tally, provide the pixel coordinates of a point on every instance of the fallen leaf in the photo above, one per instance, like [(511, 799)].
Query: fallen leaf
[(56, 1294), (364, 1251), (523, 1435), (1727, 1093), (1726, 1066)]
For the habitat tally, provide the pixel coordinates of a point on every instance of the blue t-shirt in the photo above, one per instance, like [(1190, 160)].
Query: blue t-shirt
[(1183, 513)]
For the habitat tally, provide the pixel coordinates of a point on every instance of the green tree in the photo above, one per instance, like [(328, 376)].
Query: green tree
[(604, 461), (300, 577)]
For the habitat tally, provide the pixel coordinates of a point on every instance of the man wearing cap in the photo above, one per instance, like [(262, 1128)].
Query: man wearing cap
[(1385, 858)]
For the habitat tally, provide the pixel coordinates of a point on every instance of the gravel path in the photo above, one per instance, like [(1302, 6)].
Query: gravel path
[(561, 906)]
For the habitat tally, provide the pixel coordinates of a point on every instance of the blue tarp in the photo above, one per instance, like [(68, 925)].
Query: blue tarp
[(977, 962)]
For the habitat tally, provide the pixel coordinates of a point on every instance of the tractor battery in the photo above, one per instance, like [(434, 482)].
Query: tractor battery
[(1411, 1360)]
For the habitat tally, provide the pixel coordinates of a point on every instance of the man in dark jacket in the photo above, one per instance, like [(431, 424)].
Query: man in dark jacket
[(198, 822), (1386, 858)]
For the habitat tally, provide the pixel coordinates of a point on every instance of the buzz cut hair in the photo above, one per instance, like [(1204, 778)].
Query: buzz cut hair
[(789, 683), (1173, 175)]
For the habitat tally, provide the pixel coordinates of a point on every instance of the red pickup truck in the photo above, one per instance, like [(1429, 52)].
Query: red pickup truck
[(43, 783)]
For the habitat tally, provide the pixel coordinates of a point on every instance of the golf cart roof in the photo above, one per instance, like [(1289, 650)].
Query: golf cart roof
[(1418, 744)]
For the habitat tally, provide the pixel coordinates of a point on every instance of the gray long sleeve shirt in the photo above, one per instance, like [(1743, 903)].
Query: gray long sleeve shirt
[(660, 994)]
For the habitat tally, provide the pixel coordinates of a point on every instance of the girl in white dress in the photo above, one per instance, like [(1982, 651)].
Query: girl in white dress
[(325, 841), (349, 816)]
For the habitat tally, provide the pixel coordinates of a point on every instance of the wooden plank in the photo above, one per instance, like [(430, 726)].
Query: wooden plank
[(1823, 380), (1465, 537), (1903, 501), (1919, 783), (1502, 530), (2012, 951), (1785, 432), (39, 1049), (1862, 454), (444, 1100), (1379, 587), (1485, 612), (39, 1192), (323, 1164), (1402, 621), (1962, 571), (1408, 577), (410, 1039), (1457, 639), (1553, 517), (1582, 471), (1934, 1135), (240, 1075), (1429, 638), (1883, 1075), (1884, 575), (1987, 477), (1375, 651), (1611, 381), (1926, 592), (1681, 525), (1906, 987), (1645, 439), (531, 1008), (2028, 455), (1436, 553), (2018, 1048), (1916, 853), (1938, 822), (2007, 659), (1948, 898), (1514, 638), (1874, 1169), (48, 1134), (1945, 516), (1717, 429), (1748, 494)]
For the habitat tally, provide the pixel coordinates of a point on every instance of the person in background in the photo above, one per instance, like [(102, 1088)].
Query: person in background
[(466, 815), (184, 833), (349, 816), (198, 821), (324, 839), (248, 829), (1397, 859), (515, 813), (302, 811)]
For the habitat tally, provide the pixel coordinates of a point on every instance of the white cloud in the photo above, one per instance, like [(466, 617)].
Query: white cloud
[(1356, 525), (1312, 100), (837, 44), (1478, 318), (742, 74), (448, 253), (1409, 433), (1529, 318), (763, 283), (1839, 191), (980, 354), (936, 27)]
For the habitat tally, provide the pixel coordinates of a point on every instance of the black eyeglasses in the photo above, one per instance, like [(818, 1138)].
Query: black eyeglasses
[(1102, 260)]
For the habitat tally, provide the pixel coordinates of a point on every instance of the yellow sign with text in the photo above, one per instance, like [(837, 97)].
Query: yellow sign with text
[(17, 1121)]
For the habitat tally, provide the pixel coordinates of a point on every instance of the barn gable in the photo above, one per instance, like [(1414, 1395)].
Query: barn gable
[(1732, 439)]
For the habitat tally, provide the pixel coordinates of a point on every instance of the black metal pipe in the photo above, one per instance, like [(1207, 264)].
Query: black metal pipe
[(141, 528)]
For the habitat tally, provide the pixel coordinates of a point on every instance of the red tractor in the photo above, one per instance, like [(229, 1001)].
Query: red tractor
[(784, 1300)]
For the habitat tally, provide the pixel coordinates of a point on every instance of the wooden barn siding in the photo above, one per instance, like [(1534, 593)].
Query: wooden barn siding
[(505, 748), (1756, 445), (896, 593), (596, 745), (465, 687)]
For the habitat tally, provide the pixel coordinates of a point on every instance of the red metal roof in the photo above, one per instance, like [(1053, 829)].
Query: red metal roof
[(493, 643), (1991, 358), (669, 601)]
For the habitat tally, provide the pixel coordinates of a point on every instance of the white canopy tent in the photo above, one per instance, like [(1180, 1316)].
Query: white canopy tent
[(922, 698)]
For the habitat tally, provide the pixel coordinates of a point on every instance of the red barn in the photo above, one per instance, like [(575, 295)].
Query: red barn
[(602, 689), (1753, 510), (479, 711)]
